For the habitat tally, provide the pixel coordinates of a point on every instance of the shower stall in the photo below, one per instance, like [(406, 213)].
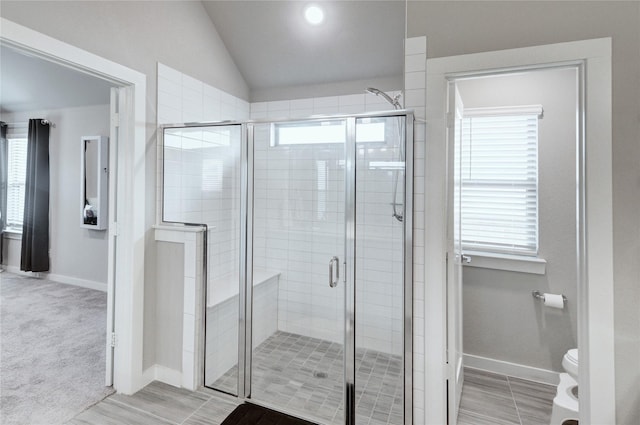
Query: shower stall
[(308, 260)]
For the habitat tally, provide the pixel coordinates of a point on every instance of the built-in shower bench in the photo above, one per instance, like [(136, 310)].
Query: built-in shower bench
[(223, 305)]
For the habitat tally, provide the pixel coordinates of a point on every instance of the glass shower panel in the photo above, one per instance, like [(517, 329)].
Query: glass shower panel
[(202, 185), (298, 237), (379, 281)]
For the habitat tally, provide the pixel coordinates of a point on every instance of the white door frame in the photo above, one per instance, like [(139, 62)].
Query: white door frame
[(127, 265), (595, 287)]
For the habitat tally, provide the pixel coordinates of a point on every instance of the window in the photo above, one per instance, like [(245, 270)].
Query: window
[(369, 130), (499, 174), (17, 170)]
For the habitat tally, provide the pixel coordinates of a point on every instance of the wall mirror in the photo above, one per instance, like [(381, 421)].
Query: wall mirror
[(93, 184)]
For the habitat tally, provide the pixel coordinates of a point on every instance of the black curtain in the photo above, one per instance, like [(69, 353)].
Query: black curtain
[(35, 227), (4, 166)]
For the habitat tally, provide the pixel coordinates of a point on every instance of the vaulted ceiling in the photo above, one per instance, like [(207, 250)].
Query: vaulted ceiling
[(273, 45), (270, 41)]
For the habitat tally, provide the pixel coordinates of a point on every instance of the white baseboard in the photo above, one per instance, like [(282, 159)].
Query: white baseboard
[(163, 374), (512, 369), (16, 270), (83, 283)]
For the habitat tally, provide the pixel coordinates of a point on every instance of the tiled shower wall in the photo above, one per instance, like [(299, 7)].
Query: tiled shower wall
[(173, 83), (299, 226), (202, 168), (415, 98)]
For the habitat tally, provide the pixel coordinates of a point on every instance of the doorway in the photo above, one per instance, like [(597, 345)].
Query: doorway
[(126, 227), (316, 219), (595, 270), (513, 208)]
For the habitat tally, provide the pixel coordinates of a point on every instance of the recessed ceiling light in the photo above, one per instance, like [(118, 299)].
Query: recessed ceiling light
[(314, 15)]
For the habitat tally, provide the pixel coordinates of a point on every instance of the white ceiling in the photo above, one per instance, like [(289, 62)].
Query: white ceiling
[(29, 83), (273, 46)]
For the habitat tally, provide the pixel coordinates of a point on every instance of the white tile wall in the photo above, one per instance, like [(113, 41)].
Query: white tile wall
[(292, 234), (330, 105), (415, 82), (379, 248), (285, 195), (182, 99), (298, 228), (222, 325)]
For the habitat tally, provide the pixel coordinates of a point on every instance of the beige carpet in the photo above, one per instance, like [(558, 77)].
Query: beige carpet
[(52, 350)]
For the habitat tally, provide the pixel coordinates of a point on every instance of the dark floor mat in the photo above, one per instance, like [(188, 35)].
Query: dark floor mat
[(251, 414)]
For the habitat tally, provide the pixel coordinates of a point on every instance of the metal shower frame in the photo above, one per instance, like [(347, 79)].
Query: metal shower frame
[(246, 257)]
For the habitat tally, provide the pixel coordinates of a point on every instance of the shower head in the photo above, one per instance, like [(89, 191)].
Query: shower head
[(393, 101)]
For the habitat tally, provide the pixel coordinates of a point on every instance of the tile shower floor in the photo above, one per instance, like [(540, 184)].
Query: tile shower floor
[(305, 375)]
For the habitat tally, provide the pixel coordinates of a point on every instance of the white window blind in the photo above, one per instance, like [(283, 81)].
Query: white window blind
[(499, 167), (17, 170)]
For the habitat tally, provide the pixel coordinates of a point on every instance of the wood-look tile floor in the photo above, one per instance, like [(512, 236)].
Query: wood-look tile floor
[(159, 404), (489, 398)]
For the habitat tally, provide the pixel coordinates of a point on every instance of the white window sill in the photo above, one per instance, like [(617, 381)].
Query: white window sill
[(514, 263), (12, 234)]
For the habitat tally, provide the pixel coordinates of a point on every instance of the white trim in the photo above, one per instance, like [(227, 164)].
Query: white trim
[(504, 110), (58, 278), (83, 283), (595, 292), (513, 263), (515, 370), (12, 234), (16, 270), (163, 374), (129, 261)]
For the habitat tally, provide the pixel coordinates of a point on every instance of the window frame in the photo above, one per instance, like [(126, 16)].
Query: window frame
[(15, 133), (485, 247)]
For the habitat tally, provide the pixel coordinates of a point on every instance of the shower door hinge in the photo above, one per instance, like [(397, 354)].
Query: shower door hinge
[(113, 339)]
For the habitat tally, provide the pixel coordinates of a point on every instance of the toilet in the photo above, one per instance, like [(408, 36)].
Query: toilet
[(570, 363), (565, 403)]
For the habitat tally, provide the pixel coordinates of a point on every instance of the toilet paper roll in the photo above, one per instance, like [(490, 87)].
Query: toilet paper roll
[(553, 300)]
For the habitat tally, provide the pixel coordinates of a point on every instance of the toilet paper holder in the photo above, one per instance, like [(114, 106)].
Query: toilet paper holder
[(540, 296)]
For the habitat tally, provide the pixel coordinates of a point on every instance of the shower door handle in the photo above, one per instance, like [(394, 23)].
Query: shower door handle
[(333, 280)]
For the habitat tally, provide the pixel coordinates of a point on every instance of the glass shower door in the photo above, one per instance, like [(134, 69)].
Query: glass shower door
[(297, 362)]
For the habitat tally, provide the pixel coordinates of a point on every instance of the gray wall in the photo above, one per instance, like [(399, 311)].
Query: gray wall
[(74, 251), (138, 34), (454, 28), (502, 320)]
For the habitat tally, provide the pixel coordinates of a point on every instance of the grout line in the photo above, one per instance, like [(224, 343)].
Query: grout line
[(513, 397), (196, 410), (92, 405)]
